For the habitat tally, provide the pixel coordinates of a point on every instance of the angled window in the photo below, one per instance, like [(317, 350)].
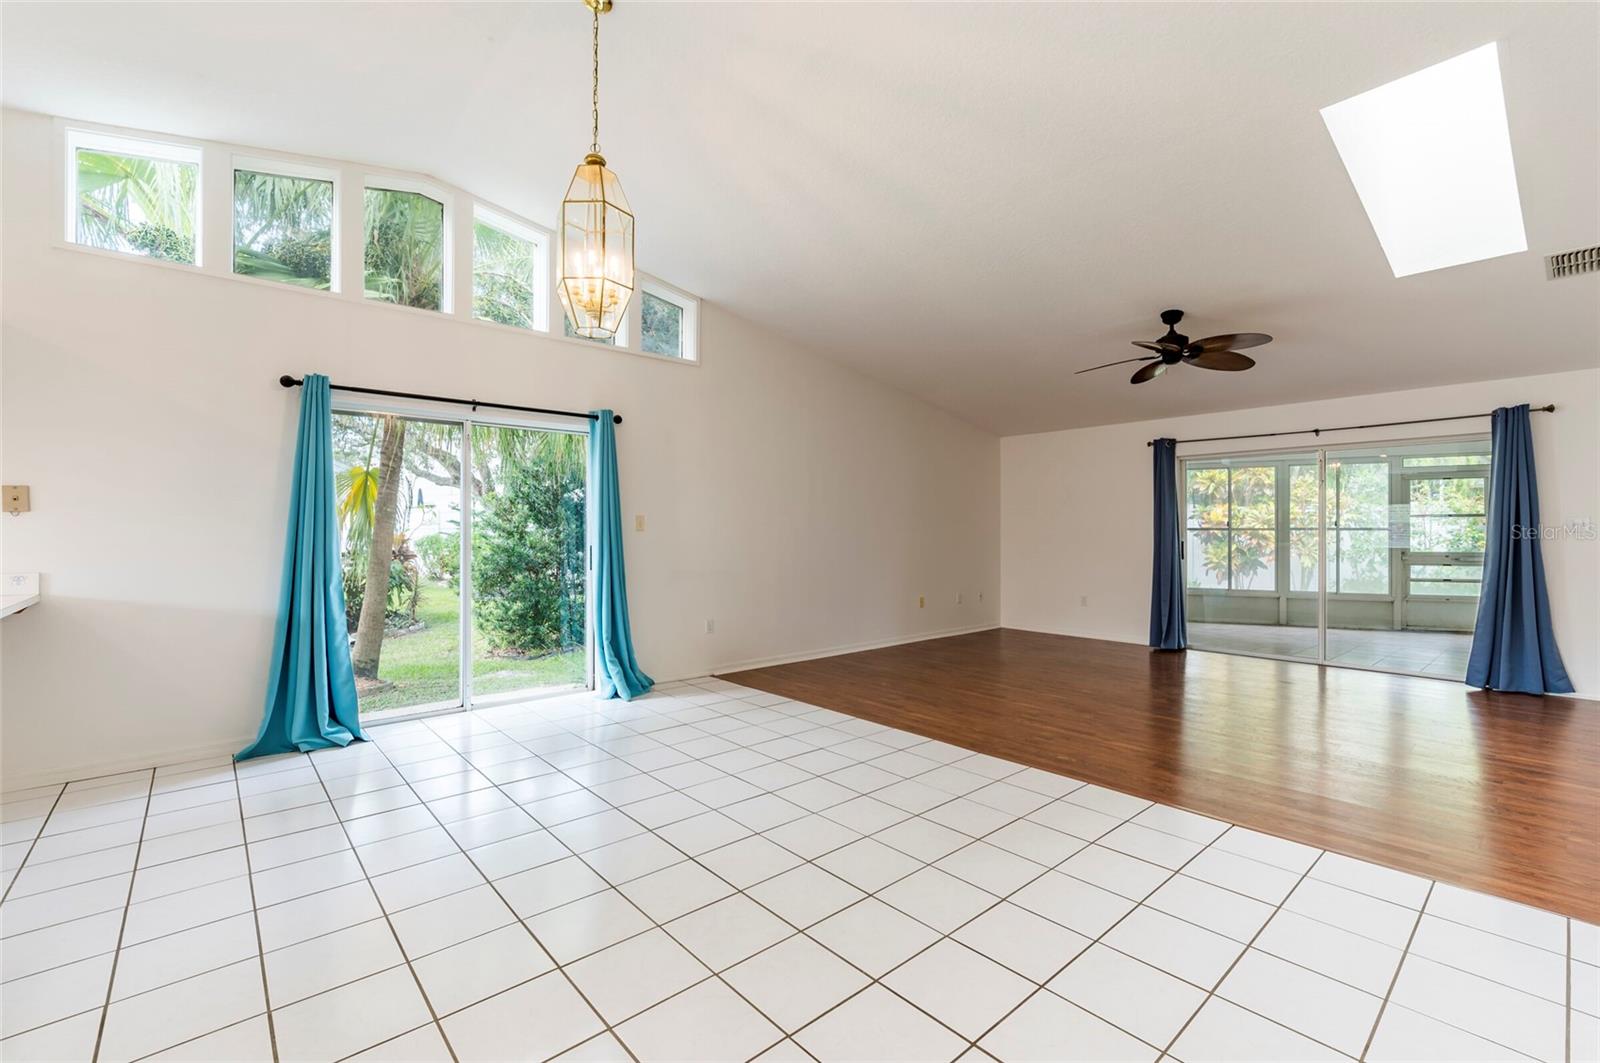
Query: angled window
[(133, 196), (509, 272), (1430, 156), (667, 321), (404, 252), (283, 227)]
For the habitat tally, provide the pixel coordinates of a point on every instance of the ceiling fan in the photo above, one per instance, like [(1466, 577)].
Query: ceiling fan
[(1213, 352)]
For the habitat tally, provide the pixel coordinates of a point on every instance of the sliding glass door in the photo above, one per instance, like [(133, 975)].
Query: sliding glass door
[(1363, 556), (529, 572), (481, 592), (1251, 554)]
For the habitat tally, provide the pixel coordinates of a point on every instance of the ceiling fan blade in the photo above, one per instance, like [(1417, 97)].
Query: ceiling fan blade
[(1157, 347), (1227, 361), (1232, 341), (1108, 365), (1149, 372)]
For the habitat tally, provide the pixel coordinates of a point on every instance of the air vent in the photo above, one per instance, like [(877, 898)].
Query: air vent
[(1569, 263)]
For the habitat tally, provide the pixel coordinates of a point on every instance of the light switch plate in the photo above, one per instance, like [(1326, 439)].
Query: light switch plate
[(15, 498)]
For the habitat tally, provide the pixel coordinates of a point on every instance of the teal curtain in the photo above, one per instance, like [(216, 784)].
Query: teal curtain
[(1168, 630), (1513, 643), (616, 673), (311, 692)]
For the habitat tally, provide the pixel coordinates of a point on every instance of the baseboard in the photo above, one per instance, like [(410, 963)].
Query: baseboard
[(95, 769), (857, 647), (1074, 633)]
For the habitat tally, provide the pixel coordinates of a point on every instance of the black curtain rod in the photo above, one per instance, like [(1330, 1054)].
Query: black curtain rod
[(293, 382), (1551, 408)]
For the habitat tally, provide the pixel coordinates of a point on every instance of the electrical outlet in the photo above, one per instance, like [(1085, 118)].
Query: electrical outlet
[(638, 522), (921, 602), (711, 627), (16, 498)]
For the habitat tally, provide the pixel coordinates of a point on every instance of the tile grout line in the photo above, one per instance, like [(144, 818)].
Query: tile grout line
[(872, 980), (616, 887), (387, 921), (491, 884), (607, 754), (6, 895), (1245, 826), (1212, 992), (737, 891), (1043, 987), (122, 930), (1394, 979), (255, 921)]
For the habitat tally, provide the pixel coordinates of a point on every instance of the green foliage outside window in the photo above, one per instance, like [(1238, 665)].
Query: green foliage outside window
[(1233, 522), (283, 228), (502, 276), (1233, 537), (1358, 527), (136, 205), (1448, 515), (661, 326), (528, 545), (403, 252)]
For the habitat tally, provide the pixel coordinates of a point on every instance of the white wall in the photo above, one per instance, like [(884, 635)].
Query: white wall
[(1076, 505), (800, 505)]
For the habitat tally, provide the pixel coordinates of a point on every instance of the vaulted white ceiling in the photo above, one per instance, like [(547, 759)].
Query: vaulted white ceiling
[(966, 201)]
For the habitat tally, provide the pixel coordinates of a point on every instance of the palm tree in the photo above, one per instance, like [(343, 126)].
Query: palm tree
[(134, 204), (404, 248), (282, 228), (502, 276), (368, 647)]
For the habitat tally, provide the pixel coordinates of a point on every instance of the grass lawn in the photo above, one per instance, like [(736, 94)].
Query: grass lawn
[(423, 665)]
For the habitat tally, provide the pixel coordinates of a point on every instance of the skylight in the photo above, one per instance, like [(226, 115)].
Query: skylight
[(1430, 156)]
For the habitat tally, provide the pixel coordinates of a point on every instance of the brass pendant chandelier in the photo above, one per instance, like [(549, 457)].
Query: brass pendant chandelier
[(594, 241)]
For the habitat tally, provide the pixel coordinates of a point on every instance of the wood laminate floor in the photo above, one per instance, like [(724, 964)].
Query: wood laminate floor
[(1494, 792)]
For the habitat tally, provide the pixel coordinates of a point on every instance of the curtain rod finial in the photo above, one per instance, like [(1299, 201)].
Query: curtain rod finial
[(287, 381), (616, 418)]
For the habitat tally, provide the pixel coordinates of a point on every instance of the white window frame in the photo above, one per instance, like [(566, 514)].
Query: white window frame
[(283, 168), (688, 329), (540, 238), (214, 224), (162, 150), (383, 182)]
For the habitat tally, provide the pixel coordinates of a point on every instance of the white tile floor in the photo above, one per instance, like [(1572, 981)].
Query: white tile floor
[(714, 873)]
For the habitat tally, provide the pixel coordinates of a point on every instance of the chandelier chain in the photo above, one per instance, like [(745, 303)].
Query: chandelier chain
[(594, 145)]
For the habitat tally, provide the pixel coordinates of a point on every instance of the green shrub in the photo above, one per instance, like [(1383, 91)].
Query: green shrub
[(527, 561), (440, 554)]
